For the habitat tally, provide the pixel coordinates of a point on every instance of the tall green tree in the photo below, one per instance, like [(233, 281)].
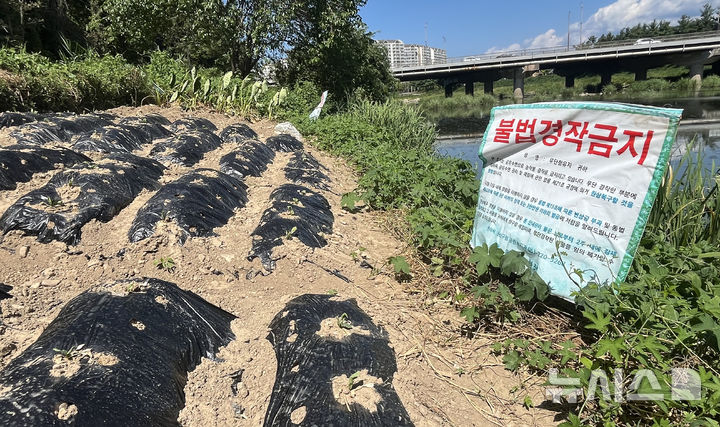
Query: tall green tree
[(238, 33), (233, 34), (331, 46), (43, 25)]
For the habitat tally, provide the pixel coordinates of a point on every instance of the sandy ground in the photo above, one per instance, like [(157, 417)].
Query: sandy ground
[(443, 378)]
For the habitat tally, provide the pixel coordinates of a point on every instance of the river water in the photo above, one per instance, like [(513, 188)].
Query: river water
[(700, 123)]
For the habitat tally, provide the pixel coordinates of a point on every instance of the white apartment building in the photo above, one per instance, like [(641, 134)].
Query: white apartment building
[(410, 55)]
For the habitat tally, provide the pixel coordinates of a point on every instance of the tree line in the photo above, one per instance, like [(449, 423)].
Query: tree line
[(709, 20), (323, 41)]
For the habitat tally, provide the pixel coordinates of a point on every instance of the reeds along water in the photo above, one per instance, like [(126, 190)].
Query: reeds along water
[(687, 205), (406, 125)]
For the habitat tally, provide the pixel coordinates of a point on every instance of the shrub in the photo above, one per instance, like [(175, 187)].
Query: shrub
[(711, 81), (301, 100), (649, 86), (31, 81)]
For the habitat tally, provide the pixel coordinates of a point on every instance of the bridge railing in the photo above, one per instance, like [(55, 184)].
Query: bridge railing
[(514, 54)]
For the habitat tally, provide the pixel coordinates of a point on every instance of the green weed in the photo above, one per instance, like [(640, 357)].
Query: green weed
[(353, 382), (343, 322), (289, 234), (53, 203), (71, 353), (165, 263)]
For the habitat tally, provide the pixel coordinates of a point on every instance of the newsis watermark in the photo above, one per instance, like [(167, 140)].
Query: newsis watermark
[(645, 386)]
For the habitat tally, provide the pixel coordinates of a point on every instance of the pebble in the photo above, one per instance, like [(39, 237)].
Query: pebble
[(50, 282), (23, 251), (242, 391), (94, 262), (227, 257), (48, 272), (7, 349)]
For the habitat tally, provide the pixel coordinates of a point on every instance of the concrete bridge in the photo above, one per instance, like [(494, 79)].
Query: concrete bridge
[(690, 50)]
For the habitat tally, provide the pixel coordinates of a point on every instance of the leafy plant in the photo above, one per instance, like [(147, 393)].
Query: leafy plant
[(358, 254), (53, 203), (352, 381), (343, 322), (665, 315), (165, 263), (349, 200), (133, 287), (70, 353), (289, 234), (401, 267)]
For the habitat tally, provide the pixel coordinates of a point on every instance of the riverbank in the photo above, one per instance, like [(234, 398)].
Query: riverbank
[(622, 325)]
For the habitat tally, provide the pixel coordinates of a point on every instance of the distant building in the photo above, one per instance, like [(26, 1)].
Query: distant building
[(412, 55)]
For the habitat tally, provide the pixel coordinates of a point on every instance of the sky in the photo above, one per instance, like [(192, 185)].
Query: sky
[(467, 27)]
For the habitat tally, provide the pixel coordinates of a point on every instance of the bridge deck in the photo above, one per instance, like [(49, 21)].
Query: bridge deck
[(563, 55)]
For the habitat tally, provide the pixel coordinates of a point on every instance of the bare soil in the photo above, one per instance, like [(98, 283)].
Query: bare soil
[(442, 378)]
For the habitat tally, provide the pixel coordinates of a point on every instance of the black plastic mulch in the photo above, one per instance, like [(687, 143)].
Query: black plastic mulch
[(308, 364), (197, 202), (284, 143), (105, 188), (193, 123), (296, 213), (18, 163), (303, 168), (252, 158), (238, 133), (138, 339), (185, 149)]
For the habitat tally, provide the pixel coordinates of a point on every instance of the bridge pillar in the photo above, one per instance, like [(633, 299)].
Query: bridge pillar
[(641, 75), (470, 88), (696, 73), (518, 84), (605, 79), (449, 90), (716, 68), (488, 86), (569, 81)]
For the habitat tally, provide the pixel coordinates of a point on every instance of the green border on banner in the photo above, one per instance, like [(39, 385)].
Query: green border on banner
[(672, 114)]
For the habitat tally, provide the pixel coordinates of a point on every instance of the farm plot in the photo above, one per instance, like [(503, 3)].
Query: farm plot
[(208, 260)]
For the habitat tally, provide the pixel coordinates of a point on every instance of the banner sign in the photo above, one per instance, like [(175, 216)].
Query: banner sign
[(571, 185)]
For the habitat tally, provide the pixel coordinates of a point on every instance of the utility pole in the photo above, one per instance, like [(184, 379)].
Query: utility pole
[(581, 22), (568, 43), (425, 51)]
